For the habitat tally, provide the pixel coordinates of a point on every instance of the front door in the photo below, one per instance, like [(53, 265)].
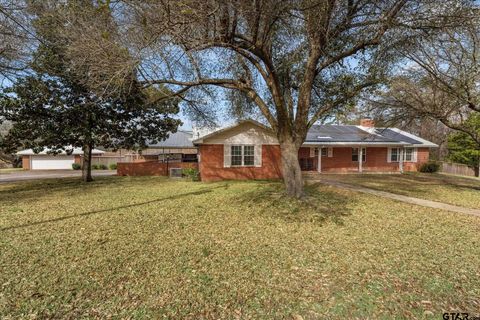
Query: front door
[(307, 157), (307, 164)]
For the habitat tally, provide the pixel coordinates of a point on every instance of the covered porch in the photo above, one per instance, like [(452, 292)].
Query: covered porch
[(355, 158)]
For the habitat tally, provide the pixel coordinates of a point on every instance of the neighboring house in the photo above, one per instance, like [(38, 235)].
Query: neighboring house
[(250, 150), (178, 147), (46, 161)]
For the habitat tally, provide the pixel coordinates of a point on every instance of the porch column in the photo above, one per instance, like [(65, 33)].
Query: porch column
[(319, 160), (360, 157), (400, 162)]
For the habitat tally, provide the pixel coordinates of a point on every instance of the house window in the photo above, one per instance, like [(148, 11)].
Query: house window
[(242, 155), (236, 155), (394, 154), (324, 151), (408, 154), (248, 156), (355, 154)]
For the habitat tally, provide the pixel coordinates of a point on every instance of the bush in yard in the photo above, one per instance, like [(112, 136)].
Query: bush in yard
[(102, 166), (113, 166), (191, 173), (76, 166), (429, 167), (95, 167)]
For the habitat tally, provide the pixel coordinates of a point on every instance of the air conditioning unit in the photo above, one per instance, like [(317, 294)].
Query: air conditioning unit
[(175, 173)]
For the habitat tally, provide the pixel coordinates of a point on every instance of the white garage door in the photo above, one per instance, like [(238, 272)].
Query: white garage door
[(52, 162)]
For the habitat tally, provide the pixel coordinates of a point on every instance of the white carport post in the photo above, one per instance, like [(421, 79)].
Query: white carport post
[(319, 160), (360, 159), (400, 162)]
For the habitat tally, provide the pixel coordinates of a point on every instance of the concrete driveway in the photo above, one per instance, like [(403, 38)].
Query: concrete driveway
[(49, 174)]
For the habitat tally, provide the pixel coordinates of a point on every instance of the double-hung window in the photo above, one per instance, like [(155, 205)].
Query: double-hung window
[(355, 154), (248, 155), (242, 155), (323, 152), (409, 154), (236, 155), (394, 155)]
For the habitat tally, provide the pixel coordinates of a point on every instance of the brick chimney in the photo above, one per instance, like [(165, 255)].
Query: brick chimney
[(367, 122)]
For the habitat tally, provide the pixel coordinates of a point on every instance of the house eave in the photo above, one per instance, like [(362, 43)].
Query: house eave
[(368, 144), (200, 140)]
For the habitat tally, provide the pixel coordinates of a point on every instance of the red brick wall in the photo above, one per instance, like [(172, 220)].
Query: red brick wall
[(341, 161), (150, 168), (26, 162), (211, 165), (211, 162), (423, 155), (376, 161)]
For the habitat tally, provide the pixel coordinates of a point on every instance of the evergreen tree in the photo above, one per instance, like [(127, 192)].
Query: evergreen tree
[(463, 148), (47, 113)]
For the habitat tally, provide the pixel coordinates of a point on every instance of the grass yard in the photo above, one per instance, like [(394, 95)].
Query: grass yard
[(9, 170), (461, 191), (147, 248)]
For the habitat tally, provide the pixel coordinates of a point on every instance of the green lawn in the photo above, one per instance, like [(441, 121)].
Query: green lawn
[(461, 191), (150, 247)]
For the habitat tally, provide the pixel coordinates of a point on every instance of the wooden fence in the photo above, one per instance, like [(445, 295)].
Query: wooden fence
[(457, 168), (151, 168), (107, 160)]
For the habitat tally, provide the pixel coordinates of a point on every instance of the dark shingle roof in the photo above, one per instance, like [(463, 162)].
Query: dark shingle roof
[(350, 133), (391, 134), (179, 139)]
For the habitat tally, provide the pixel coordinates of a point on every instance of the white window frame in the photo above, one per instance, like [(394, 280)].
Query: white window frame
[(364, 154), (413, 154), (242, 155), (324, 152), (397, 155), (413, 158)]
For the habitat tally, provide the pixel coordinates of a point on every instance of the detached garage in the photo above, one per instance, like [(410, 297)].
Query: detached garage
[(45, 161)]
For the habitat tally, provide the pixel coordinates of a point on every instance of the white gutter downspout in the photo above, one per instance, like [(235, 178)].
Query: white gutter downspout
[(401, 160), (360, 159), (319, 160)]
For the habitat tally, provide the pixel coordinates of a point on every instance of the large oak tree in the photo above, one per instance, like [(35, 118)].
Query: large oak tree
[(292, 62)]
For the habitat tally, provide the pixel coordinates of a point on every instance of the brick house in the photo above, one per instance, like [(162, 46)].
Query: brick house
[(250, 150)]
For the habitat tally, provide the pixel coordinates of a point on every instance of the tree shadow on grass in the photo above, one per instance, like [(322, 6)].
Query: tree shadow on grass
[(19, 191), (319, 205), (409, 183), (83, 214)]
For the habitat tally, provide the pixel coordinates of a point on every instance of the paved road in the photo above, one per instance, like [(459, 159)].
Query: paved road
[(49, 174)]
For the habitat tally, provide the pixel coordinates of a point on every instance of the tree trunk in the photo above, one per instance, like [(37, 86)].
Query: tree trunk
[(477, 171), (87, 163), (292, 174)]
